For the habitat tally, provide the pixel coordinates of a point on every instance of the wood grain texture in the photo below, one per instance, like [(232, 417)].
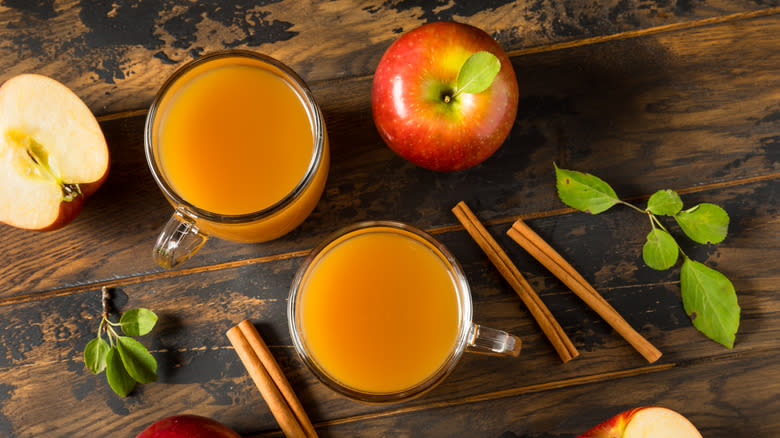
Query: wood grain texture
[(677, 110), (720, 405), (116, 54), (199, 372), (694, 109)]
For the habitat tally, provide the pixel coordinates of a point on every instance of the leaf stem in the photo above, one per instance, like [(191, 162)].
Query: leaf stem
[(655, 218), (632, 206), (100, 327), (110, 332)]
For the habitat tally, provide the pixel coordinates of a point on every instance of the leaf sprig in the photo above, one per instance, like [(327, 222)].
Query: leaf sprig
[(708, 296), (125, 360), (477, 73)]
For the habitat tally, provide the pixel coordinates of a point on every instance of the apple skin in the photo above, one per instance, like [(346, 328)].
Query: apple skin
[(614, 427), (645, 422), (188, 426), (413, 76)]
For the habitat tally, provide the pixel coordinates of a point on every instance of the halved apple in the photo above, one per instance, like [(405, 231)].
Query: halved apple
[(645, 422), (52, 153)]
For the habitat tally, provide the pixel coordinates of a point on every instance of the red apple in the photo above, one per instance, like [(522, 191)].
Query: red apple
[(648, 422), (414, 108), (188, 426), (52, 153)]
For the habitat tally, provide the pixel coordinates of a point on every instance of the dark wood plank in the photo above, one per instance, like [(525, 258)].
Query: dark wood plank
[(740, 403), (115, 55), (672, 110), (41, 343)]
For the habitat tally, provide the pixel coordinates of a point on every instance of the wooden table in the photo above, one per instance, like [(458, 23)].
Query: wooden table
[(647, 95)]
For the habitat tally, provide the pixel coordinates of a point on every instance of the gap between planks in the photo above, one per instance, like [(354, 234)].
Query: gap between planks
[(530, 389), (126, 281), (547, 47), (645, 32)]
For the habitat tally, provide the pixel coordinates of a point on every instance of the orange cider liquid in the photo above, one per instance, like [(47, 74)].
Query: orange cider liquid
[(236, 138), (379, 310)]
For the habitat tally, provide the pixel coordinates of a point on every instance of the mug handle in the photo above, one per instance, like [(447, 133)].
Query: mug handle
[(485, 340), (179, 239)]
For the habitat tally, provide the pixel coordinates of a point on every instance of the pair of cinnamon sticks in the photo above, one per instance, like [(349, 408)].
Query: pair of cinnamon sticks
[(270, 380), (547, 256)]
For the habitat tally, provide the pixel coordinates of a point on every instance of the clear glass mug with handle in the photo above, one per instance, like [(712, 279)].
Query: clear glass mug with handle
[(193, 221), (382, 312)]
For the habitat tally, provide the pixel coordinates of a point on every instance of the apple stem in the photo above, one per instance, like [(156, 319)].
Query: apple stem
[(448, 95), (70, 191)]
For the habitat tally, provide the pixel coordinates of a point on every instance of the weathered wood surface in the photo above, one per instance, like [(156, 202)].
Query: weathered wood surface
[(721, 405), (688, 107), (116, 54), (199, 373), (694, 109)]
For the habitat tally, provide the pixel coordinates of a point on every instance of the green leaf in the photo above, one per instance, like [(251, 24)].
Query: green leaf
[(118, 378), (95, 355), (478, 72), (660, 250), (665, 202), (137, 322), (704, 223), (138, 362), (584, 191), (710, 301)]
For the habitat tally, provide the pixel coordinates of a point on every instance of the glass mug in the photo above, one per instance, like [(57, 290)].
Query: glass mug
[(381, 312), (238, 146)]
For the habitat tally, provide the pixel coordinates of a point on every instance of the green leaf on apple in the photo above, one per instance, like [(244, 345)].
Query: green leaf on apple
[(710, 301), (477, 73)]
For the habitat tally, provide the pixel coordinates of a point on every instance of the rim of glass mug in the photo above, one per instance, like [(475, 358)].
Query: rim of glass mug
[(465, 310), (312, 110)]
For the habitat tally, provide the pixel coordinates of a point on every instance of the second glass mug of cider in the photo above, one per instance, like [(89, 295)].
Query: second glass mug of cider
[(238, 146), (381, 312)]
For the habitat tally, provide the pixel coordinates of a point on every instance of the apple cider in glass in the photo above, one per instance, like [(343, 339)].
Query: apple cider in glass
[(238, 146), (381, 312), (387, 325)]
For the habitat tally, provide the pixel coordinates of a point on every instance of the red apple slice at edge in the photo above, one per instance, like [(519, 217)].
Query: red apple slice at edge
[(43, 121), (645, 422), (659, 422)]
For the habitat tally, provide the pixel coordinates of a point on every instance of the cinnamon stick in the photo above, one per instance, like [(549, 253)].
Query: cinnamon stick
[(557, 337), (270, 380), (555, 263), (275, 371)]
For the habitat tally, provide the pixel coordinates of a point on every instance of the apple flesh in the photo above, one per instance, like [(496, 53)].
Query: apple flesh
[(52, 153), (646, 422), (188, 426), (415, 106)]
